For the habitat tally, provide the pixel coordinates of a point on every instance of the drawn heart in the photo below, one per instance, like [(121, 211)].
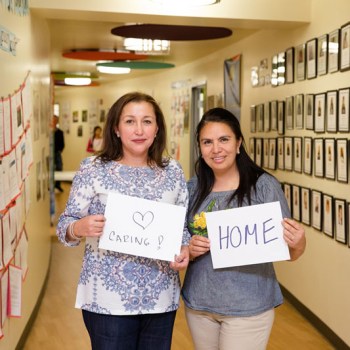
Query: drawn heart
[(143, 220)]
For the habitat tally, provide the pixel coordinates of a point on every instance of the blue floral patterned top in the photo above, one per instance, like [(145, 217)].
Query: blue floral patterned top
[(115, 283)]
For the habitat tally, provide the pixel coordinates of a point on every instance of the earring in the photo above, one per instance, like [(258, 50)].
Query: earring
[(155, 135), (118, 135), (238, 151)]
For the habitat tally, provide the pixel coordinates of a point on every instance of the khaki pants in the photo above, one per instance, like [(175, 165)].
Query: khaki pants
[(214, 332)]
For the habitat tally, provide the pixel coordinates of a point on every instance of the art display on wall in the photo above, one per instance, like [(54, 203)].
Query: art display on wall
[(232, 85)]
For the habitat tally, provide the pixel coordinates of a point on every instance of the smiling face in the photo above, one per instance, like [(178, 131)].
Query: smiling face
[(219, 147), (137, 129)]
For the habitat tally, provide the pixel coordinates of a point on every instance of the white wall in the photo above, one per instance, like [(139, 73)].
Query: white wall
[(32, 55), (320, 279)]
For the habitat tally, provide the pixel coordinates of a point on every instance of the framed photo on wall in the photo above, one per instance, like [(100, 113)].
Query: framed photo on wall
[(344, 47), (341, 220), (328, 215), (260, 117), (267, 116), (290, 65), (288, 153), (342, 160), (319, 157), (252, 148), (266, 153), (299, 111), (300, 62), (280, 117), (309, 111), (320, 108), (280, 154), (333, 51), (232, 85), (287, 188), (253, 118), (307, 159), (273, 110), (296, 202), (343, 110), (306, 206), (322, 54), (297, 159), (330, 159), (332, 109), (258, 151), (311, 58), (272, 153), (289, 112), (316, 209)]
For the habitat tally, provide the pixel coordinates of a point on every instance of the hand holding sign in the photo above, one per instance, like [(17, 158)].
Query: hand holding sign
[(142, 227)]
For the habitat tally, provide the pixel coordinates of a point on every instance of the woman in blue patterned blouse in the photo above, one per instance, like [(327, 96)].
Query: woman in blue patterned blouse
[(233, 307), (129, 302)]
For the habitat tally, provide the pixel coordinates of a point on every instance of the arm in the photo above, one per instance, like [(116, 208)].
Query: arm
[(294, 235)]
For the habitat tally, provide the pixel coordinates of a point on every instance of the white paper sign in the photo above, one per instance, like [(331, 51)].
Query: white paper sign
[(246, 235), (142, 227)]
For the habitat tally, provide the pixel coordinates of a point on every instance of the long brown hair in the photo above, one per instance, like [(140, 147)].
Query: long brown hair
[(112, 145)]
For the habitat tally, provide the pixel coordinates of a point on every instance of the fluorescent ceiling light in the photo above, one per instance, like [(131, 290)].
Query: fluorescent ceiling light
[(186, 2), (77, 81), (149, 46), (113, 70)]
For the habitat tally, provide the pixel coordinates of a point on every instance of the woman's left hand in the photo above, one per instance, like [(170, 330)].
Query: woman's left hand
[(294, 235), (181, 260)]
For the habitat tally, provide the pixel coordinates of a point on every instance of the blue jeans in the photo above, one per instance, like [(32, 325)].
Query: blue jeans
[(135, 332)]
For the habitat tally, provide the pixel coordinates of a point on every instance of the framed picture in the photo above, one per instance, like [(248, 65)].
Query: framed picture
[(253, 119), (267, 116), (311, 58), (288, 153), (332, 109), (297, 159), (280, 154), (296, 202), (300, 62), (258, 151), (319, 157), (252, 148), (320, 107), (341, 220), (290, 65), (348, 228), (287, 188), (316, 210), (289, 113), (260, 117), (309, 111), (281, 68), (266, 153), (330, 159), (299, 111), (344, 47), (328, 215), (342, 160), (343, 110), (280, 117), (273, 110), (232, 85), (306, 206), (272, 153), (333, 51), (307, 158), (322, 54)]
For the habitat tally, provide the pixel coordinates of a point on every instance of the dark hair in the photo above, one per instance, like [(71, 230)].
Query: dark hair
[(249, 172), (112, 145), (94, 132)]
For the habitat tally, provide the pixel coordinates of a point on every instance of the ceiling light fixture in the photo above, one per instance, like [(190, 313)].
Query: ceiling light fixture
[(137, 64), (187, 2), (113, 70), (147, 46), (77, 81)]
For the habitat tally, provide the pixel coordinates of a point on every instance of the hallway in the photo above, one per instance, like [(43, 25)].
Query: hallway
[(59, 325)]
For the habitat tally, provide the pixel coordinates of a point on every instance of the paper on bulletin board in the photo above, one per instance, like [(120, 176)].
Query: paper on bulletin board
[(247, 235), (142, 227)]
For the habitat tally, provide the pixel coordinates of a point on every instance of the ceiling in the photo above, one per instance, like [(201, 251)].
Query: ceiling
[(87, 24)]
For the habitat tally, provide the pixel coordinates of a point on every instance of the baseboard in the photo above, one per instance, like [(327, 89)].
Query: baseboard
[(29, 325), (333, 338)]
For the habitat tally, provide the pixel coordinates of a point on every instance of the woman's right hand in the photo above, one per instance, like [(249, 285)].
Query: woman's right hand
[(89, 226), (198, 246)]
